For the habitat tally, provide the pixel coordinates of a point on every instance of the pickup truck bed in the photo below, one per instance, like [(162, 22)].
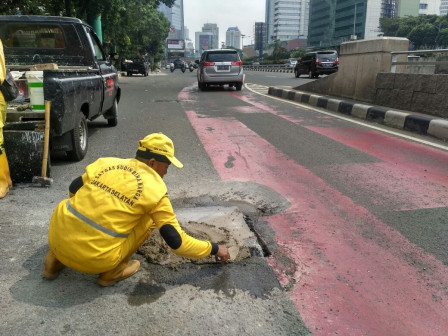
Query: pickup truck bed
[(77, 78)]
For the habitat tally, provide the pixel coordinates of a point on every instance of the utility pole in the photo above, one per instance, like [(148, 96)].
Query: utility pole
[(354, 37)]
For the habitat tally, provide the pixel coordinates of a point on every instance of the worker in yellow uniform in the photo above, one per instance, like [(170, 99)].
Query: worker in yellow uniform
[(113, 208), (5, 178)]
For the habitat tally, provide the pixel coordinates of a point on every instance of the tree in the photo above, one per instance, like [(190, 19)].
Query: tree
[(442, 38), (298, 53), (130, 26), (279, 50), (423, 35)]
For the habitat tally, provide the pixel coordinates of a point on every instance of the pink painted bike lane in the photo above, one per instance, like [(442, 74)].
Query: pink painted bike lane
[(347, 272)]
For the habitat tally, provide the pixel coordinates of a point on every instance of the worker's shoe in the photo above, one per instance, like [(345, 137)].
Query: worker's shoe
[(52, 266), (5, 178), (124, 270)]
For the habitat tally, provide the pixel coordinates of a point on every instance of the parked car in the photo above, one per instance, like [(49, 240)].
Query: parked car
[(317, 63), (138, 66), (220, 67)]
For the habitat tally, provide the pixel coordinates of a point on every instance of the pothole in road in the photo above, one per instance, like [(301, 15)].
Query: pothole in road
[(226, 225)]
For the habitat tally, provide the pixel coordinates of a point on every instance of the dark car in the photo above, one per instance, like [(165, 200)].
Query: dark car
[(178, 64), (138, 66), (317, 63)]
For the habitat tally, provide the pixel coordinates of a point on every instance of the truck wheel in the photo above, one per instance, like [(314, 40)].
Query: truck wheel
[(201, 86), (112, 122), (310, 74), (79, 140), (297, 73)]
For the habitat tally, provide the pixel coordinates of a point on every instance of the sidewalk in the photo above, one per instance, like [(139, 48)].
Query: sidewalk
[(404, 120)]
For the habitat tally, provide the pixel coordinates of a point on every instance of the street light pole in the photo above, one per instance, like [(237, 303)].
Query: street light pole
[(242, 41), (354, 25)]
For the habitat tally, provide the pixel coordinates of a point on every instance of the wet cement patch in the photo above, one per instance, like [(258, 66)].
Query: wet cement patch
[(250, 275), (221, 225)]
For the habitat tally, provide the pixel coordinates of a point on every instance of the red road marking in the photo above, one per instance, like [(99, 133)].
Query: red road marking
[(342, 281)]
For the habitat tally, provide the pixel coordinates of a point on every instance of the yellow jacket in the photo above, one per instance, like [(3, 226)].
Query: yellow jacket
[(2, 99), (90, 231)]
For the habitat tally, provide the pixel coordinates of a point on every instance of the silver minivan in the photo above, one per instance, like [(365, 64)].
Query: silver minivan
[(220, 67)]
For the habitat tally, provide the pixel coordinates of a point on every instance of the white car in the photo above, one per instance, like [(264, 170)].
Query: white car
[(291, 63)]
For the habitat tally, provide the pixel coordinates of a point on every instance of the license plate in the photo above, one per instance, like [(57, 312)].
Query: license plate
[(222, 67), (327, 65)]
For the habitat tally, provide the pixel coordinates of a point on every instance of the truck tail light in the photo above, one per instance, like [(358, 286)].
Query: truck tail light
[(209, 63), (337, 61), (238, 63), (318, 62)]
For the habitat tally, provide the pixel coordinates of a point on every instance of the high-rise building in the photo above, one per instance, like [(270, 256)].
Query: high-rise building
[(204, 41), (214, 30), (175, 15), (429, 7), (233, 37), (444, 7), (333, 22), (260, 38), (286, 20), (405, 8)]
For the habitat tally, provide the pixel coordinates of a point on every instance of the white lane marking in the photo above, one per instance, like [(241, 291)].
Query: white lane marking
[(308, 107)]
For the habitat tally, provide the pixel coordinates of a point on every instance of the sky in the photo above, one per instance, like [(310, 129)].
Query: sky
[(225, 13)]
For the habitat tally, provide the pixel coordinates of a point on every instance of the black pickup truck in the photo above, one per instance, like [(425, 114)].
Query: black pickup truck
[(77, 76), (138, 66)]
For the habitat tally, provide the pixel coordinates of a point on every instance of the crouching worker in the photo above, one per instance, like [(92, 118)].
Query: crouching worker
[(113, 208)]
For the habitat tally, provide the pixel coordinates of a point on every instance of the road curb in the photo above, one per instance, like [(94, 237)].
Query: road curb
[(409, 121)]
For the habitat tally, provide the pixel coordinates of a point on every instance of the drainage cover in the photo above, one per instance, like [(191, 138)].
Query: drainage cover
[(221, 225)]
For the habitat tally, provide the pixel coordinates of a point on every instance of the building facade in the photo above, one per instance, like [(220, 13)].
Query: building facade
[(233, 37), (444, 7), (333, 22), (203, 41), (286, 20), (175, 15), (213, 29), (429, 7), (260, 38)]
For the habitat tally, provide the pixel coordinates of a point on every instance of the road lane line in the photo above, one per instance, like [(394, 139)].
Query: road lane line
[(308, 107)]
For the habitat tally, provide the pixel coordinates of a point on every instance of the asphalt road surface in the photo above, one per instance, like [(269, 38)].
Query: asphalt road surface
[(354, 222)]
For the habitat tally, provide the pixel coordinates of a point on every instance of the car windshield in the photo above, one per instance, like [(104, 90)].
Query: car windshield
[(222, 57)]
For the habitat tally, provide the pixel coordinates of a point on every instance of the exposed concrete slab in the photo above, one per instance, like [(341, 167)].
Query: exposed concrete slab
[(222, 225)]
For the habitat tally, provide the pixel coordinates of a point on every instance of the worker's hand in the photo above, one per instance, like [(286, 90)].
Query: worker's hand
[(223, 254)]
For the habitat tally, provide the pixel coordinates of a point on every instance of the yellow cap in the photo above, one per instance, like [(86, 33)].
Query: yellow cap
[(159, 143)]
